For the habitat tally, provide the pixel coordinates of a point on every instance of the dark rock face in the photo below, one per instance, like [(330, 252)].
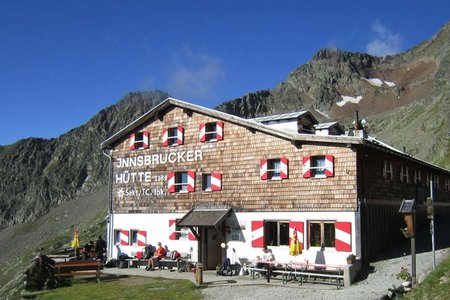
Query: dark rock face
[(406, 109), (38, 174)]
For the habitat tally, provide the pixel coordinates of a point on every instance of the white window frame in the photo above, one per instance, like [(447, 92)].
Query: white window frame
[(211, 132), (139, 140), (172, 136), (117, 236), (447, 184), (274, 173), (180, 185), (417, 176), (387, 170), (404, 174), (318, 164)]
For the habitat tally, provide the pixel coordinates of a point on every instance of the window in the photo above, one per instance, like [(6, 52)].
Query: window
[(321, 233), (133, 237), (320, 166), (427, 179), (404, 174), (212, 182), (387, 170), (116, 236), (211, 132), (417, 176), (181, 182), (274, 169), (447, 184), (177, 232), (276, 233), (436, 181), (173, 136), (139, 140)]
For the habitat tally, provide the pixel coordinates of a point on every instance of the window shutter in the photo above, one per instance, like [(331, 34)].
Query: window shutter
[(343, 236), (257, 234), (202, 130), (284, 162), (180, 136), (216, 181), (171, 182), (165, 137), (191, 181), (146, 136), (191, 237), (141, 237), (306, 167), (124, 237), (132, 139), (329, 165), (263, 169), (172, 229), (300, 228), (219, 130)]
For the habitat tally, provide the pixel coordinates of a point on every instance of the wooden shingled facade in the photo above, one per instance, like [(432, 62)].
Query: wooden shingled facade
[(237, 158)]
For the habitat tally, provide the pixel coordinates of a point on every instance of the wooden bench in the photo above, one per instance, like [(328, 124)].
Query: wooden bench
[(70, 269), (334, 273)]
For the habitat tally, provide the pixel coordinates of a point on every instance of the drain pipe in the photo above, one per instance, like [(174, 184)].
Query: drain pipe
[(110, 227)]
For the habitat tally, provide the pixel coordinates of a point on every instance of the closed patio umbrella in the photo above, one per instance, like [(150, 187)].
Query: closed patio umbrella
[(295, 248)]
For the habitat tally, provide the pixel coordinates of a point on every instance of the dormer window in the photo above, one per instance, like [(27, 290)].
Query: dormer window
[(211, 132), (173, 136), (139, 140)]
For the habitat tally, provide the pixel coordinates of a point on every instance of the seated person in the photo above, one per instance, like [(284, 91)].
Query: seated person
[(264, 262), (149, 251), (86, 251), (159, 254)]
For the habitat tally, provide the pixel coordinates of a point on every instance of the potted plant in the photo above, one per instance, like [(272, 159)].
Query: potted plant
[(405, 276), (351, 259)]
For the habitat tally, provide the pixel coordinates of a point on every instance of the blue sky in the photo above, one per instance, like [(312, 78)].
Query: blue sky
[(62, 61)]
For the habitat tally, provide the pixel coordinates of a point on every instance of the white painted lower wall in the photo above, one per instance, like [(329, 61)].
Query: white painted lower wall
[(240, 236)]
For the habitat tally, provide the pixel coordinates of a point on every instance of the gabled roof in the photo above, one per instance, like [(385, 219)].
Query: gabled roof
[(288, 116), (248, 123)]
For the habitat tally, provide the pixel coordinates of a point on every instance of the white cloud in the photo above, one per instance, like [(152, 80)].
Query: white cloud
[(193, 74), (384, 42)]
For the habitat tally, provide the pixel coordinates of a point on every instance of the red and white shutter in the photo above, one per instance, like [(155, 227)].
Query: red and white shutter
[(306, 167), (216, 182), (171, 182), (258, 234), (219, 130), (191, 181), (329, 165), (343, 236), (132, 141), (172, 229), (141, 237), (180, 135), (165, 137), (191, 237), (202, 129), (145, 136), (263, 169), (300, 228), (284, 170), (124, 237)]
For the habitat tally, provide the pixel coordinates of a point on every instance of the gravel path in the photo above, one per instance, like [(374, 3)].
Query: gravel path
[(373, 286)]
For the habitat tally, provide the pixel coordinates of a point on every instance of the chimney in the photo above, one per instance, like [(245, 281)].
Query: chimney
[(360, 128)]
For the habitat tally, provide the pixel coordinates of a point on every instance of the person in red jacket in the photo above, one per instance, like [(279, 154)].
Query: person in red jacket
[(160, 253)]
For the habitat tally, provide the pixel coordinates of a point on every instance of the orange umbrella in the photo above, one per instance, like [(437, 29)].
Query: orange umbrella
[(295, 248)]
